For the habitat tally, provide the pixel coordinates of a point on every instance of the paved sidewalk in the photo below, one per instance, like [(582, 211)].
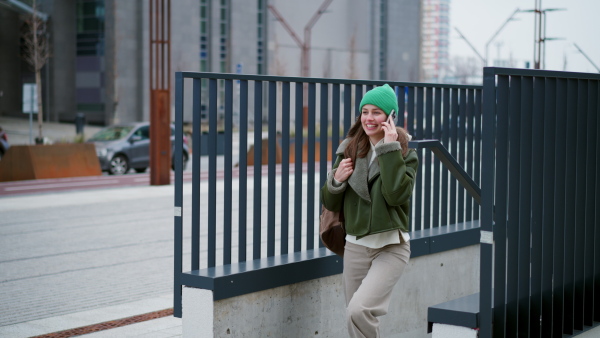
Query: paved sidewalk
[(18, 132), (72, 259)]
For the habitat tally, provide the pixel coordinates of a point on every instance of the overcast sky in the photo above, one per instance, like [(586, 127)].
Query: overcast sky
[(578, 24)]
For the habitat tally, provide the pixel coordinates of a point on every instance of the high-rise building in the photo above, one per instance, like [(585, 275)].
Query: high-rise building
[(436, 31)]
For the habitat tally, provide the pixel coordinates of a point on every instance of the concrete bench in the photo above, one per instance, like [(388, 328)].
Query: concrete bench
[(266, 273)]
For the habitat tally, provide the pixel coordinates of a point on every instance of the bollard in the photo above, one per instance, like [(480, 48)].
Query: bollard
[(79, 123)]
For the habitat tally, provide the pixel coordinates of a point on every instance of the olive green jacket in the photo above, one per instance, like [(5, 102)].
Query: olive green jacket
[(376, 198)]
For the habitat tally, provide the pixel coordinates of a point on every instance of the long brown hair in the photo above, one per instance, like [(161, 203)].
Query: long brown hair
[(359, 144)]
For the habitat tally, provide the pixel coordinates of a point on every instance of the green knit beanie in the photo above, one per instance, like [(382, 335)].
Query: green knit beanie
[(383, 97)]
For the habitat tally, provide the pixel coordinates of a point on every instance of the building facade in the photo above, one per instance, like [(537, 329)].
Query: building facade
[(99, 61), (436, 42)]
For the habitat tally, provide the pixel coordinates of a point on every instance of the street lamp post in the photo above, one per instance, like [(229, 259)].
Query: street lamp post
[(486, 59), (304, 47), (511, 18), (539, 33)]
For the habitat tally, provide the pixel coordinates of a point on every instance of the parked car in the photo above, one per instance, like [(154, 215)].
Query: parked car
[(4, 145), (126, 146)]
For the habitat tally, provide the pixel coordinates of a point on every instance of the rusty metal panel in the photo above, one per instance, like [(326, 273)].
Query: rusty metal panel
[(160, 134), (49, 161)]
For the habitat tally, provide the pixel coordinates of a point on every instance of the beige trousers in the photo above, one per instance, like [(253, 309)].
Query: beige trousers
[(369, 278)]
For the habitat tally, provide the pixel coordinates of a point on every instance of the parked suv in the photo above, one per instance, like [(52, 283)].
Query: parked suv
[(125, 146)]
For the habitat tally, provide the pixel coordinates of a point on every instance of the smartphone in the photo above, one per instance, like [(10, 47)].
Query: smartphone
[(393, 115)]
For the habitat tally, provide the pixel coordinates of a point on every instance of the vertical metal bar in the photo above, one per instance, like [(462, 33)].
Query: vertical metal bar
[(324, 138), (298, 168), (512, 229), (420, 113), (410, 127), (178, 222), (243, 170), (596, 282), (558, 255), (591, 170), (525, 200), (537, 198), (212, 172), (310, 189), (461, 141), (401, 106), (445, 138), (196, 145), (410, 112), (348, 120), (228, 177), (151, 44), (285, 166), (500, 207), (420, 134), (569, 206), (257, 200), (477, 159), (271, 174), (487, 202), (548, 220), (437, 134), (453, 147), (161, 47), (580, 181), (428, 117), (469, 149), (358, 94), (335, 120)]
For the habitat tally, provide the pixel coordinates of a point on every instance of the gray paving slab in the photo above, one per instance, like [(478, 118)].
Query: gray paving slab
[(65, 253), (84, 318)]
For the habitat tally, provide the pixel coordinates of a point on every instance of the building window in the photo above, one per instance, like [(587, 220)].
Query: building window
[(90, 27), (383, 26), (224, 33), (89, 48), (204, 33), (260, 36)]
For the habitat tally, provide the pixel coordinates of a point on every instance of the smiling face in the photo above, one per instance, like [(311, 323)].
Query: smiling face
[(371, 118)]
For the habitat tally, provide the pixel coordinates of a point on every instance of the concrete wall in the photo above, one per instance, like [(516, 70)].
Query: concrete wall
[(63, 60), (317, 307), (10, 64)]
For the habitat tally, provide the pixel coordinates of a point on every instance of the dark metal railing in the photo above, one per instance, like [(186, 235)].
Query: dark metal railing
[(229, 214), (540, 180)]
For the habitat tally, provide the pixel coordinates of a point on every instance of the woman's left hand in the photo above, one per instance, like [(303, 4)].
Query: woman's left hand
[(391, 134)]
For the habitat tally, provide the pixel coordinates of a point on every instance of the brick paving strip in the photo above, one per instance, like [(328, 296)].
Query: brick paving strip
[(108, 325)]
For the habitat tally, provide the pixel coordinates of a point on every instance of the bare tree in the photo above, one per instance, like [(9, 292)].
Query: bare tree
[(36, 54), (465, 69)]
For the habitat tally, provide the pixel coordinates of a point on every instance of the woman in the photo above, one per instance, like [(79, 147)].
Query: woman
[(372, 179)]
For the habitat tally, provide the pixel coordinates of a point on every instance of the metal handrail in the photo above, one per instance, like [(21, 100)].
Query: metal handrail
[(450, 162)]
